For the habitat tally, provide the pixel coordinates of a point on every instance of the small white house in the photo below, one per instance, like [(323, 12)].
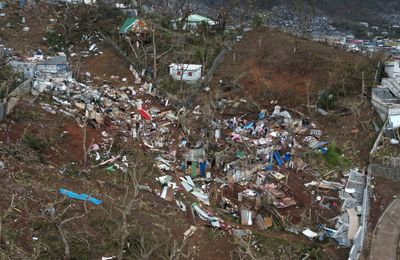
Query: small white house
[(186, 72), (193, 21)]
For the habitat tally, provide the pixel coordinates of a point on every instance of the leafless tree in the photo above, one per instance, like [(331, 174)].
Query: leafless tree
[(139, 167), (245, 248), (57, 214), (176, 250), (227, 11)]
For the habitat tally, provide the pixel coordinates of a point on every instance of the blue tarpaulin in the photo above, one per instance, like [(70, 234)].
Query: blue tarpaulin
[(21, 3), (261, 115), (82, 196), (287, 156), (323, 150), (202, 169), (278, 158), (249, 125), (268, 168)]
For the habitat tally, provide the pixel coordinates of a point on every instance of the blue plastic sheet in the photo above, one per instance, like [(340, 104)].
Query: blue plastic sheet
[(202, 169), (287, 156), (268, 168), (278, 158), (261, 115), (323, 150), (82, 196), (21, 3), (249, 125)]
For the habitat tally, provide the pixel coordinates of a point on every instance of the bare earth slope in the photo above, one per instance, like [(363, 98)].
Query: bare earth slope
[(282, 66)]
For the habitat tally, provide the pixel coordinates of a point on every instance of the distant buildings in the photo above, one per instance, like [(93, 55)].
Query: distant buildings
[(88, 2), (192, 22)]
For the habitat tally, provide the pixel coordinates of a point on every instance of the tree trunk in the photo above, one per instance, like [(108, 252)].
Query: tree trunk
[(67, 250), (155, 55)]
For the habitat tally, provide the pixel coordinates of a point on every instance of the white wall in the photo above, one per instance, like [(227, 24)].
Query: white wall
[(396, 69), (185, 75), (392, 69)]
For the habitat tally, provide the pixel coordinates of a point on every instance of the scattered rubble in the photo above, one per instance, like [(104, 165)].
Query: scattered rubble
[(251, 159)]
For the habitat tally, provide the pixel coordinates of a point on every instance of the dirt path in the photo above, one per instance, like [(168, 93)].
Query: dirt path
[(385, 239)]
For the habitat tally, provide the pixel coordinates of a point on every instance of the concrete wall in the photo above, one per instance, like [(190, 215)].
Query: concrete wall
[(384, 166), (384, 171), (51, 68), (13, 98), (26, 68), (392, 68), (358, 241)]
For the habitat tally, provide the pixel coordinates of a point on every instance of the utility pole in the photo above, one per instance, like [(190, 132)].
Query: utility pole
[(154, 54), (363, 92), (308, 95)]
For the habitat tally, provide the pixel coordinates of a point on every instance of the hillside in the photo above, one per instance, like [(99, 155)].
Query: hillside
[(281, 68), (354, 10)]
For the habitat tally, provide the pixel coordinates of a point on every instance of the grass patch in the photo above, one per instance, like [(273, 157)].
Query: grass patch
[(40, 226), (34, 142), (335, 158), (281, 247), (215, 234), (72, 170), (20, 116)]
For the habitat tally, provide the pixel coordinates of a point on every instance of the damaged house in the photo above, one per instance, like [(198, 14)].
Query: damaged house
[(51, 71), (133, 25), (192, 22), (186, 72), (27, 69)]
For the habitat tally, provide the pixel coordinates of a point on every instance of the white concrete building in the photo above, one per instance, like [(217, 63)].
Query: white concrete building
[(193, 21), (186, 72), (392, 68)]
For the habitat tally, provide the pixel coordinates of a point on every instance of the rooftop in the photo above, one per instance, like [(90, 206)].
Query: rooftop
[(185, 66), (56, 60)]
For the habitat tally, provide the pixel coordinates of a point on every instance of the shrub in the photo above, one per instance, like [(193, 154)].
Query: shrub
[(335, 158), (34, 142)]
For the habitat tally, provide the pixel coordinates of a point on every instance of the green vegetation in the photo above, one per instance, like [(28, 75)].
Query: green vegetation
[(55, 41), (258, 20), (34, 142), (274, 247), (6, 79), (22, 115), (335, 158)]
